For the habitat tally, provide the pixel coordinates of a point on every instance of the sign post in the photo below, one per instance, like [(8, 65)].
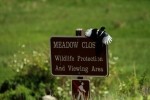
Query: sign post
[(76, 56), (79, 33)]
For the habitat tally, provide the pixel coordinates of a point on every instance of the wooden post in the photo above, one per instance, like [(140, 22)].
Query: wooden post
[(79, 32)]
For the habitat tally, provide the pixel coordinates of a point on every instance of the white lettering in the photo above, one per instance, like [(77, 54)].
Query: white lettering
[(88, 44), (80, 68), (60, 44), (64, 58), (86, 58), (97, 69), (58, 68)]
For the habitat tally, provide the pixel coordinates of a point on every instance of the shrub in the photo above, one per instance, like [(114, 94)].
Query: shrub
[(20, 93), (32, 72)]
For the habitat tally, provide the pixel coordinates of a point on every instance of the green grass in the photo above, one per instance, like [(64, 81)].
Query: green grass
[(32, 22)]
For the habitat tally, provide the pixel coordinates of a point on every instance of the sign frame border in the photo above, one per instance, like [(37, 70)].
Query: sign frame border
[(107, 61)]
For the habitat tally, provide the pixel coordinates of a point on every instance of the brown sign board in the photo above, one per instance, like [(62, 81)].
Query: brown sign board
[(77, 56)]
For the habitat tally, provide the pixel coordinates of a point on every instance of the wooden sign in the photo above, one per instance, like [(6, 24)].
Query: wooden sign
[(80, 90), (77, 56)]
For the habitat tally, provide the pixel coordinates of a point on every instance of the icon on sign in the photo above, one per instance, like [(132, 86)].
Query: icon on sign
[(80, 89)]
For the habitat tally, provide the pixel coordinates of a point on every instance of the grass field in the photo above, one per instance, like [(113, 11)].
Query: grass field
[(32, 22)]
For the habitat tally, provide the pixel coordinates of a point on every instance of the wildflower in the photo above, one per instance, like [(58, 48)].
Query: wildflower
[(23, 46), (15, 61), (115, 58), (106, 92), (46, 61), (34, 53), (92, 90), (14, 55), (28, 61), (17, 70), (25, 60), (21, 66), (59, 89)]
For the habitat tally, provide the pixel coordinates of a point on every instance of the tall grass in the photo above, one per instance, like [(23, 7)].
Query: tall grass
[(32, 22), (33, 75)]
